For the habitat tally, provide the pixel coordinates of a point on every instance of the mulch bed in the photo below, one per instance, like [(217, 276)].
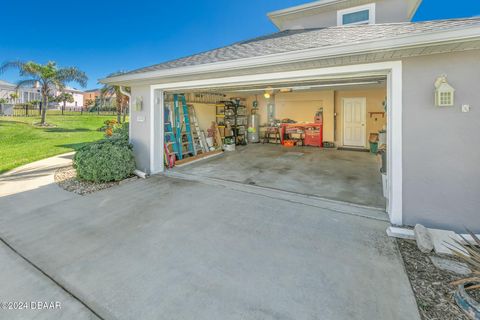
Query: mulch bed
[(431, 285), (66, 178)]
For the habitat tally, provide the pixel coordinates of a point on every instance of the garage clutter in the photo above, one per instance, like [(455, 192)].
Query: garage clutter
[(186, 142), (289, 133)]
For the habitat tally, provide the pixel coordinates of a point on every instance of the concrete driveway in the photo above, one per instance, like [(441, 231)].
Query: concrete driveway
[(166, 248)]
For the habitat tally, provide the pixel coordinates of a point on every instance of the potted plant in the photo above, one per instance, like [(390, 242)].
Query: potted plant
[(468, 289)]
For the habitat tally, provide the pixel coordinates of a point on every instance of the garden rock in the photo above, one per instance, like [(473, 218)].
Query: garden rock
[(422, 236), (451, 265), (441, 239)]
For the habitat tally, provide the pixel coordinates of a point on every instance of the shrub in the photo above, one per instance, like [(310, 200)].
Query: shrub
[(108, 126), (120, 132), (106, 160)]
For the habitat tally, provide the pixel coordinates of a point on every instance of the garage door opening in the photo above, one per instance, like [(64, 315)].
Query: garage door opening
[(318, 138)]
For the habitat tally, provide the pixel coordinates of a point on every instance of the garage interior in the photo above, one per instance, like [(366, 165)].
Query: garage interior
[(320, 138)]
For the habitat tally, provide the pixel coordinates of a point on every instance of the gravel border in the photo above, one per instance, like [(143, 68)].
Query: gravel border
[(431, 285), (66, 178)]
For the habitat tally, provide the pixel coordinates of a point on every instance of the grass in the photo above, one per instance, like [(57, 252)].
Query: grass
[(21, 142)]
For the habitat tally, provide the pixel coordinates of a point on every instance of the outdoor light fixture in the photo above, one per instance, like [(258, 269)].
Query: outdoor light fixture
[(444, 92), (266, 95), (138, 103)]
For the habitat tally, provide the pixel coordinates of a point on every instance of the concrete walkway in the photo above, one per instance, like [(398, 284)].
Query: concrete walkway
[(32, 186), (166, 248), (25, 190)]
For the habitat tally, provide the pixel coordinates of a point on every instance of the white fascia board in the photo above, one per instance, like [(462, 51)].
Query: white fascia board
[(339, 72), (438, 37), (303, 7)]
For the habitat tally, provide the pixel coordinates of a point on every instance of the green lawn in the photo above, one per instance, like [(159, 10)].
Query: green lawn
[(21, 142)]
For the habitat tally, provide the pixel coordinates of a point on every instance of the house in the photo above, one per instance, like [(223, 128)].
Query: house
[(94, 98), (369, 69), (74, 105), (91, 96), (25, 94)]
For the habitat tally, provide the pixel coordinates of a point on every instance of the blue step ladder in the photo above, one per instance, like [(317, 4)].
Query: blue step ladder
[(178, 127), (170, 139)]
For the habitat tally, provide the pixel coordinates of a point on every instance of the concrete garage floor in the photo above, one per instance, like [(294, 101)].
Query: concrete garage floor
[(347, 176), (165, 248)]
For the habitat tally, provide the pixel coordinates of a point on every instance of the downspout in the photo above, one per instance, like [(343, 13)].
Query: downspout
[(125, 93), (136, 172)]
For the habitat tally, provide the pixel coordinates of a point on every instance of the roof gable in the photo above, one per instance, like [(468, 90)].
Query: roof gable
[(7, 84), (320, 10), (297, 40)]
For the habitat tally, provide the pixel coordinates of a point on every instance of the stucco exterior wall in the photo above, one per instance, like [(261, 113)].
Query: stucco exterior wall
[(441, 146), (140, 128), (385, 11)]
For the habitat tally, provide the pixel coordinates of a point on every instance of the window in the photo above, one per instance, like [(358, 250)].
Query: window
[(357, 15)]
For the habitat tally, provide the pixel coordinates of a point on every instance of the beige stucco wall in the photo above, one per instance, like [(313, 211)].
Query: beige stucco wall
[(374, 98)]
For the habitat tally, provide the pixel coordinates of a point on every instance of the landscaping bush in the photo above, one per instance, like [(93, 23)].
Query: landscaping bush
[(108, 126), (106, 160), (120, 132)]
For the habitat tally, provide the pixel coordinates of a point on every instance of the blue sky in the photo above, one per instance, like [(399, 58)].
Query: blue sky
[(101, 37)]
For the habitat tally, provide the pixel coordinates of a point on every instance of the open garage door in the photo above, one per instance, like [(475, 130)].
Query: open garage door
[(316, 138)]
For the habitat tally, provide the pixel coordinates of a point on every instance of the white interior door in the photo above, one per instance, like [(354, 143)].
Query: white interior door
[(354, 128)]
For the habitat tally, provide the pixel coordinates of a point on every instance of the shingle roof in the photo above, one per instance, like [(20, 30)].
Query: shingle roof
[(292, 40), (6, 84)]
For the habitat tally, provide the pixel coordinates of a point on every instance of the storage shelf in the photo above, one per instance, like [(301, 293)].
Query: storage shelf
[(228, 111)]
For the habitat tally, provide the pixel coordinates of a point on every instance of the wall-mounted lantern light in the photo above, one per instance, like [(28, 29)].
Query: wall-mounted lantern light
[(138, 103), (444, 93)]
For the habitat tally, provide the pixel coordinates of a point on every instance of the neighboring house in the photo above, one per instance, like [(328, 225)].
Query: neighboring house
[(78, 99), (25, 94), (361, 61), (95, 95), (91, 96)]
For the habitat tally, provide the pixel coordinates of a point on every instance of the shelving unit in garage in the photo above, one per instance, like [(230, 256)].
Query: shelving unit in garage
[(231, 118)]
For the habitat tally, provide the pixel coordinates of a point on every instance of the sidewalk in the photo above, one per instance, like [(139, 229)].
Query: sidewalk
[(32, 186)]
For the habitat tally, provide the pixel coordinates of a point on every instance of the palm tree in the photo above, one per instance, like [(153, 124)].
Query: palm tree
[(13, 97), (64, 97), (47, 76), (109, 91)]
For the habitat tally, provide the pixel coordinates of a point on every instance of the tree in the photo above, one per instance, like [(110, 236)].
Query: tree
[(109, 91), (48, 76), (64, 97), (13, 97), (89, 103)]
